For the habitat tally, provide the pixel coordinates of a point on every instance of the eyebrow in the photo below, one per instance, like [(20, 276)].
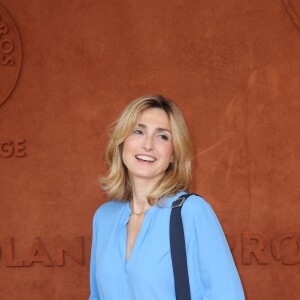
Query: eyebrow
[(159, 129)]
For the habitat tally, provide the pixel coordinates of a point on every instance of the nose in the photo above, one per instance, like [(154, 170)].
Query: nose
[(148, 143)]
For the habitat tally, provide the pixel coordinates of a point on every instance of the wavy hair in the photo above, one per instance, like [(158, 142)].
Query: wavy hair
[(177, 177)]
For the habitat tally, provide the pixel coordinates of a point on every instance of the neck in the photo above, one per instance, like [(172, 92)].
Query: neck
[(140, 190)]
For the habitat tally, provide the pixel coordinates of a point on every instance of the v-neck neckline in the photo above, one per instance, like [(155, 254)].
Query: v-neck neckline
[(134, 226), (148, 217), (141, 234)]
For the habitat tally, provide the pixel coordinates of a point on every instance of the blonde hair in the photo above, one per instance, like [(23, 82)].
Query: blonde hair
[(178, 176)]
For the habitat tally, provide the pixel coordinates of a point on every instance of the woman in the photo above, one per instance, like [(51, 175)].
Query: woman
[(149, 157)]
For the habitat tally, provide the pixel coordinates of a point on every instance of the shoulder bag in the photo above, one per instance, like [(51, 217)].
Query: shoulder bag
[(178, 252)]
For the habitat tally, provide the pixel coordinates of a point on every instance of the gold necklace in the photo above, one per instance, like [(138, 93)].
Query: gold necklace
[(139, 214)]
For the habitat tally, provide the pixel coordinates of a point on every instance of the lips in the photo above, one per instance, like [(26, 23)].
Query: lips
[(145, 158)]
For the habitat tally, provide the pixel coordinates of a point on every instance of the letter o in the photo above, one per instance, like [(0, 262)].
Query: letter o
[(7, 46)]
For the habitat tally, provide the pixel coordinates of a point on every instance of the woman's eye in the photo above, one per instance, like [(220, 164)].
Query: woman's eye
[(164, 137), (138, 131)]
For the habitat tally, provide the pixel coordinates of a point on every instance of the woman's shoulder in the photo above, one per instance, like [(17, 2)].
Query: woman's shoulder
[(109, 209), (196, 206), (198, 214), (195, 202)]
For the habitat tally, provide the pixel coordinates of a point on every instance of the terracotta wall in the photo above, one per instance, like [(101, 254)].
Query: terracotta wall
[(67, 70)]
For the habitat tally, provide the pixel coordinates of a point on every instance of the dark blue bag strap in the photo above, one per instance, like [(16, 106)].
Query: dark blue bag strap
[(178, 252)]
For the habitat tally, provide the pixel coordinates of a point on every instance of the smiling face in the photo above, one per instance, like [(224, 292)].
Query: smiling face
[(148, 151)]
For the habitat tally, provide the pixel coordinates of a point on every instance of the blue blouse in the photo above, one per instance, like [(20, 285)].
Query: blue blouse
[(148, 274)]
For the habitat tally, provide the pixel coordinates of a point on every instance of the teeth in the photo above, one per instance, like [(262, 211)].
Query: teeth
[(146, 158)]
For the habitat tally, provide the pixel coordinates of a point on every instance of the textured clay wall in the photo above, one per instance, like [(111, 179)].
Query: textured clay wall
[(68, 68)]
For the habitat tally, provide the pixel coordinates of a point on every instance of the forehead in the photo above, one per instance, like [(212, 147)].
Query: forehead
[(155, 117)]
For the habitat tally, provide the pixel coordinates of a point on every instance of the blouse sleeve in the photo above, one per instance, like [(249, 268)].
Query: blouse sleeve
[(94, 294), (212, 271)]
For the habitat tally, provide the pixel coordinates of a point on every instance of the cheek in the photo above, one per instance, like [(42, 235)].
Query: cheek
[(125, 150), (169, 153), (127, 146), (125, 156), (172, 157)]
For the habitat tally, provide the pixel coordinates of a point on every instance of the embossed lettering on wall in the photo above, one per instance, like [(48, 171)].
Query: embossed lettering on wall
[(10, 54), (38, 253), (282, 246), (256, 249), (13, 148)]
